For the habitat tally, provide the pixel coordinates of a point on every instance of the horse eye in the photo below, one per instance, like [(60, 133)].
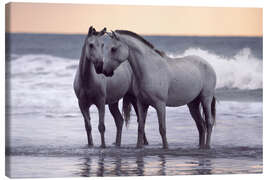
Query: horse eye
[(113, 49), (91, 45)]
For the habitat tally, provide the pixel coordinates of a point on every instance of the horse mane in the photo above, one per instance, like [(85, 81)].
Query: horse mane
[(140, 38)]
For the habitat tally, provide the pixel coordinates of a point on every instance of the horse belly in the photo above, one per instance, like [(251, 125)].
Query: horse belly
[(184, 87), (179, 98), (115, 95)]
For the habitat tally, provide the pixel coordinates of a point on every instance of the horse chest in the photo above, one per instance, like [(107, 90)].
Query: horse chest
[(92, 93)]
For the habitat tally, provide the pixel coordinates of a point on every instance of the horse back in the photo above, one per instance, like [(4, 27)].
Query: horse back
[(193, 66), (207, 72), (189, 76)]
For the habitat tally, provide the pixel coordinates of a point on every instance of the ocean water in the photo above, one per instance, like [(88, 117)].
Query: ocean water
[(45, 134)]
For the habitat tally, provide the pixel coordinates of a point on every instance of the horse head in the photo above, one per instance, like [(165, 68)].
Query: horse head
[(93, 48), (115, 52)]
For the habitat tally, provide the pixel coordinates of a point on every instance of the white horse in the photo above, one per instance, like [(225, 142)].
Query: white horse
[(92, 88), (162, 81)]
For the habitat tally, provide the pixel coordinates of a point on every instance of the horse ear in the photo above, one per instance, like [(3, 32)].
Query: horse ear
[(94, 32), (109, 34), (102, 32), (90, 31), (114, 35)]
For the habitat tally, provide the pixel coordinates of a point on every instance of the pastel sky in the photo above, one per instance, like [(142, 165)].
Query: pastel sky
[(147, 20)]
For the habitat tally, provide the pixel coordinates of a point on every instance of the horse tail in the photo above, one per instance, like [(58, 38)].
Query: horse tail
[(126, 109), (213, 110)]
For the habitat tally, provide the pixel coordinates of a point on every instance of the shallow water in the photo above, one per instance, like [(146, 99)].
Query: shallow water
[(41, 142), (103, 165)]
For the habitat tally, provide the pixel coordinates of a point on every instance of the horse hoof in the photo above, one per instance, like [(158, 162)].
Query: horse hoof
[(90, 145), (102, 146), (165, 147), (139, 146), (116, 144), (204, 147), (146, 143)]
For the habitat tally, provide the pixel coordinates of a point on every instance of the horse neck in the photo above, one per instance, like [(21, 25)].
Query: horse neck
[(138, 59), (86, 70)]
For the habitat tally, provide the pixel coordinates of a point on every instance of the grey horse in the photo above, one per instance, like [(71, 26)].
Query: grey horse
[(162, 81), (92, 88)]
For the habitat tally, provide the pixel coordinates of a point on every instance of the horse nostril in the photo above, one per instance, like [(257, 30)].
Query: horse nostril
[(110, 74), (101, 65), (105, 73)]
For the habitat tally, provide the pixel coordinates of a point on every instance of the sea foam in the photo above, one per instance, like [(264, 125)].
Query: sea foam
[(243, 71)]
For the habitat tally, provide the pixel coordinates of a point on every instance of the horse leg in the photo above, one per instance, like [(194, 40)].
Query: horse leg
[(87, 121), (194, 109), (118, 119), (145, 141), (101, 126), (141, 123), (206, 102), (161, 112)]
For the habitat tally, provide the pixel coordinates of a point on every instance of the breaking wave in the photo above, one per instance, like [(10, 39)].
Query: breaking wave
[(243, 71)]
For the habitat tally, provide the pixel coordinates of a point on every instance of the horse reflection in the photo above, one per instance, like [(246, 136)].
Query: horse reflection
[(140, 165), (162, 170), (118, 165), (85, 167), (204, 166), (111, 166), (100, 170)]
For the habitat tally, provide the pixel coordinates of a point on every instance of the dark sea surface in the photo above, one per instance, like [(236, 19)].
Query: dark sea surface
[(69, 46), (45, 129)]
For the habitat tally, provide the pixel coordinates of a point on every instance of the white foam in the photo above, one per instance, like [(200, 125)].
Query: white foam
[(43, 82), (243, 71)]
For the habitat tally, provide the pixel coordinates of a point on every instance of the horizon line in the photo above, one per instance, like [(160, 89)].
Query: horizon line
[(143, 34)]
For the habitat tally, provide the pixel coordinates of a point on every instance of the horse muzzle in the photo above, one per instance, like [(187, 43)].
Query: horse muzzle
[(98, 67), (108, 74)]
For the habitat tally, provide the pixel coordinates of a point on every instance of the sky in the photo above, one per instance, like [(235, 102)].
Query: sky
[(146, 20)]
